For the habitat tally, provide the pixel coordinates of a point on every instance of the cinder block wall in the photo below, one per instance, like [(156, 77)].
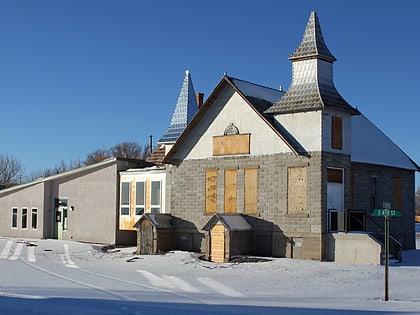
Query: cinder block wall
[(187, 199), (401, 227)]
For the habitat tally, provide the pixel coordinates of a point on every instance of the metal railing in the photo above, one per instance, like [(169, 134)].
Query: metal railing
[(350, 221)]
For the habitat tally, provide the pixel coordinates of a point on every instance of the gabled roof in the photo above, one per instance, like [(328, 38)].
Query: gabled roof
[(157, 155), (370, 145), (258, 97), (233, 222), (185, 109), (313, 88), (76, 172), (159, 220)]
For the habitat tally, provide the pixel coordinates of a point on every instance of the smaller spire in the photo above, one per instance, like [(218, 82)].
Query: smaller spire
[(185, 109), (313, 44)]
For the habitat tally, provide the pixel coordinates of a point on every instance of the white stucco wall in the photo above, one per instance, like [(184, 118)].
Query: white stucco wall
[(313, 129), (264, 140), (305, 127)]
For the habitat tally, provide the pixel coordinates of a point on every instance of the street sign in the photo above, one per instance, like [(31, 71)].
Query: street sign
[(386, 213)]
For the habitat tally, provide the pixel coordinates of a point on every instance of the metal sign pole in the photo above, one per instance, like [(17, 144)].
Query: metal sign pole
[(386, 257)]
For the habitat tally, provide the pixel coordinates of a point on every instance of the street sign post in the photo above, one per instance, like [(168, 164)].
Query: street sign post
[(387, 212)]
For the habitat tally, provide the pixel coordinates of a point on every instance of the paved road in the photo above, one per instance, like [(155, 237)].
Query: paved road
[(81, 273), (59, 277)]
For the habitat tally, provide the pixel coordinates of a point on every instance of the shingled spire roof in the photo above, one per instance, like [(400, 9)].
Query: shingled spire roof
[(185, 109), (312, 85), (312, 44)]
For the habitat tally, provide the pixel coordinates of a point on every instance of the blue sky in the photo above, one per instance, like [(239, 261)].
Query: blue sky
[(80, 75)]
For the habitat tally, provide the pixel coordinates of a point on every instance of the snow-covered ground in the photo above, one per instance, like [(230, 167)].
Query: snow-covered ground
[(58, 277)]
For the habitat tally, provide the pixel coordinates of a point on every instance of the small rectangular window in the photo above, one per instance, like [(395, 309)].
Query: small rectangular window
[(372, 193), (34, 219), (140, 190), (24, 218), (337, 133), (14, 218), (155, 197), (397, 193), (335, 175), (125, 198)]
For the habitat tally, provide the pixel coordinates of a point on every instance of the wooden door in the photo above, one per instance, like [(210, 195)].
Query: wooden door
[(217, 240), (146, 238)]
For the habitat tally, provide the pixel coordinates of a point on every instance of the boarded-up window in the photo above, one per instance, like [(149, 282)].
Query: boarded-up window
[(337, 133), (231, 144), (397, 193), (296, 190), (211, 191), (335, 175), (230, 191), (251, 191)]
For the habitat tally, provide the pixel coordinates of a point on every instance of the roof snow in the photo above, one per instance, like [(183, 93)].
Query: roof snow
[(371, 145)]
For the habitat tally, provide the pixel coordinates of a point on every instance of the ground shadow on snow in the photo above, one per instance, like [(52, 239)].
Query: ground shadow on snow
[(53, 306), (409, 258)]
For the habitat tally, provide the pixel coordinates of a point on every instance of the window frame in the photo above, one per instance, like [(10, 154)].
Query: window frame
[(125, 205), (140, 205), (15, 218), (155, 208), (34, 211), (24, 218)]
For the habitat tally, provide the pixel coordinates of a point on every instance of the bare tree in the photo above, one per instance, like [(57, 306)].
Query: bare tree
[(11, 171), (97, 156), (58, 169), (418, 201), (130, 150)]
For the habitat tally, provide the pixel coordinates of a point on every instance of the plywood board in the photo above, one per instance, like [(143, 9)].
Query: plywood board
[(127, 223), (251, 190), (218, 243), (296, 190), (230, 191), (337, 132), (397, 193), (231, 144), (211, 191)]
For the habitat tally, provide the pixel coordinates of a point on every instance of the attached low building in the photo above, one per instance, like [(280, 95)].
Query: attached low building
[(81, 205)]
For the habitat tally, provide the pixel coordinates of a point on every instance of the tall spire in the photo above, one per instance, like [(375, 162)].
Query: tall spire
[(313, 44), (185, 109), (312, 85)]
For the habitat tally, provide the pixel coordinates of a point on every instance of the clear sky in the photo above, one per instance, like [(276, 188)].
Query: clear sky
[(80, 75)]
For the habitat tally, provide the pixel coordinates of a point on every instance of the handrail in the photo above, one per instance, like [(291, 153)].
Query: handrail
[(379, 234), (392, 237)]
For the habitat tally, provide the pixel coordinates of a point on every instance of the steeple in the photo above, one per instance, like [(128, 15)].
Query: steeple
[(313, 44), (312, 85), (185, 109)]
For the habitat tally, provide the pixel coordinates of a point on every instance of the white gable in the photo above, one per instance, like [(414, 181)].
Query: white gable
[(230, 108), (370, 145)]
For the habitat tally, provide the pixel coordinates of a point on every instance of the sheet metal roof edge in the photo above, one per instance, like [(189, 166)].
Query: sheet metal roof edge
[(82, 169)]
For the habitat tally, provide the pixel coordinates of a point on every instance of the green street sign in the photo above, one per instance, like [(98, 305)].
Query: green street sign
[(386, 213)]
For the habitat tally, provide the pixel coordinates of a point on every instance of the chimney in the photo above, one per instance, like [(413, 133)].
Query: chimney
[(199, 97), (150, 144)]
